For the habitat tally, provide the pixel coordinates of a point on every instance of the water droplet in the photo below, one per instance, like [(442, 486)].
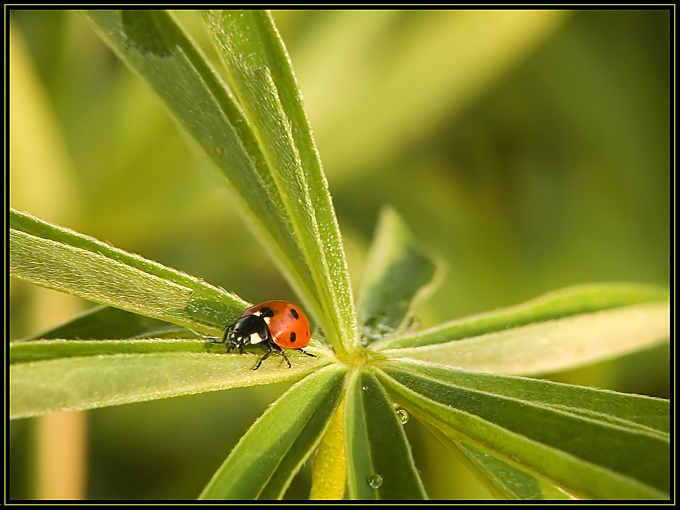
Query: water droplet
[(374, 329), (364, 388), (403, 416), (375, 481), (413, 323)]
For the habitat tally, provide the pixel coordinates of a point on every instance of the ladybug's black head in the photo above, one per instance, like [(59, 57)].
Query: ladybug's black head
[(249, 329)]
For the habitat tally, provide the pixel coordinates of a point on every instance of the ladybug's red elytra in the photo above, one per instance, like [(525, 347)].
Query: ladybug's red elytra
[(277, 325)]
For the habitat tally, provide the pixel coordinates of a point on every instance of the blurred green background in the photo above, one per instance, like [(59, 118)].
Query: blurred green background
[(530, 150)]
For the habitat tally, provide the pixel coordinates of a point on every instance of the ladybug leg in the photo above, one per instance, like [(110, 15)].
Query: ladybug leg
[(307, 353), (284, 357), (277, 348), (225, 337), (266, 355), (226, 334), (230, 347), (272, 347)]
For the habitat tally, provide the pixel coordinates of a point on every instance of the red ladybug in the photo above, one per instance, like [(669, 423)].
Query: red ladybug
[(274, 324)]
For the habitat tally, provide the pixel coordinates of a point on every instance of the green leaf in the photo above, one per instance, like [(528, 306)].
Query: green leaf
[(329, 472), (398, 272), (380, 464), (508, 481), (564, 329), (64, 260), (104, 322), (575, 300), (503, 480), (56, 349), (52, 375), (554, 345), (594, 443), (267, 457), (56, 375), (281, 190), (263, 82), (156, 48)]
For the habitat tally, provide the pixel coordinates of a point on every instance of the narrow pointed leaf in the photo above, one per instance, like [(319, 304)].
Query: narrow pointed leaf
[(595, 443), (398, 272), (553, 345), (511, 482), (561, 330), (504, 480), (264, 461), (64, 260), (380, 464), (508, 481), (105, 322), (52, 375), (293, 218), (329, 474), (566, 302), (57, 375), (154, 46), (263, 82), (59, 348)]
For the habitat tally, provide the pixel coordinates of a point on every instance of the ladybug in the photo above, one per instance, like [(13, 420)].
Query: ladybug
[(277, 325)]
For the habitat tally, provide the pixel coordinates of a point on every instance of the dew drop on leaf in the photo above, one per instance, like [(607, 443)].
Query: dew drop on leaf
[(413, 323), (375, 481), (403, 416)]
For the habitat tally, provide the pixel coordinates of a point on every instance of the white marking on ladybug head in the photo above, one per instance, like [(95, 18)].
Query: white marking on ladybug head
[(255, 338), (267, 320)]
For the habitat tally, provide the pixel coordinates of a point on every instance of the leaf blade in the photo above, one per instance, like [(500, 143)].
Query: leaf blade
[(62, 375), (574, 300), (104, 322), (594, 456), (397, 274), (503, 480), (263, 81), (566, 328), (380, 464), (553, 345), (265, 459), (509, 481), (65, 260), (154, 46), (329, 473)]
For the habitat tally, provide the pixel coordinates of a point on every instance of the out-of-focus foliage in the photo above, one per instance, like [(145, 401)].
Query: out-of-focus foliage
[(530, 151)]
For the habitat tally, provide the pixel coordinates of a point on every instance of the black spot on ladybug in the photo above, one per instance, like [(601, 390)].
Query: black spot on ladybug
[(292, 337), (294, 313), (267, 312)]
